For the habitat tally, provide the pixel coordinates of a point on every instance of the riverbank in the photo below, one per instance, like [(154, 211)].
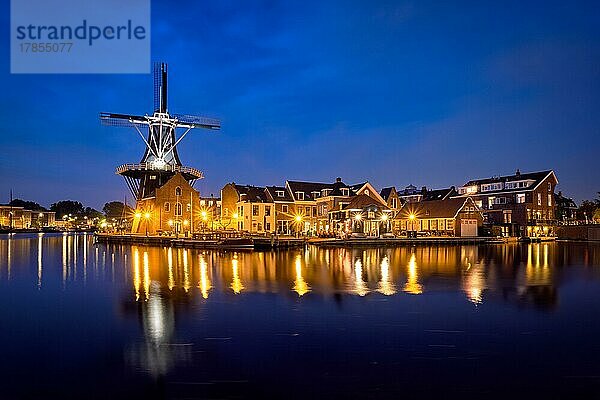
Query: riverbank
[(283, 242)]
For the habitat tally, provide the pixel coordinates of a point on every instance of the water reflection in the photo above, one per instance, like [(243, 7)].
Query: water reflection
[(412, 285), (386, 285), (39, 260), (159, 286), (204, 283), (236, 284), (300, 285)]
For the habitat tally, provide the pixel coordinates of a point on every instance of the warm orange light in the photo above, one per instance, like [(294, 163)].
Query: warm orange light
[(185, 222), (170, 222), (384, 217), (147, 215), (411, 216), (138, 214), (298, 218), (358, 217), (235, 215)]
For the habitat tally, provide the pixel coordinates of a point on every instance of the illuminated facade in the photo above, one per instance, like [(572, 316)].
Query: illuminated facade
[(20, 218), (175, 208), (522, 204), (450, 217)]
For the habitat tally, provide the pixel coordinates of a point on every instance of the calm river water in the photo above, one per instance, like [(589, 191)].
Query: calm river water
[(80, 320)]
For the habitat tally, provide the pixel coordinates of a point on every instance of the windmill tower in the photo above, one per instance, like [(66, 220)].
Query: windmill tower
[(160, 162)]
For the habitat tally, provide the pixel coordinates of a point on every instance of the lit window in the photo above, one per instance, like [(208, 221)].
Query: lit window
[(549, 200), (267, 210), (255, 210), (300, 195), (167, 207), (177, 191), (178, 209), (284, 208), (539, 199)]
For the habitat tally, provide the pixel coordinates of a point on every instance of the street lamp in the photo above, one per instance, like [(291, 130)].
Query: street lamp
[(147, 216), (298, 219), (412, 217)]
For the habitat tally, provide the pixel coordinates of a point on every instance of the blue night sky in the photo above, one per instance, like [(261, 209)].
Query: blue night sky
[(391, 92)]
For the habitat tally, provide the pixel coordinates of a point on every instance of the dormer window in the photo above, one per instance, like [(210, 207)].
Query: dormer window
[(345, 191), (326, 192), (279, 193), (315, 194), (300, 195)]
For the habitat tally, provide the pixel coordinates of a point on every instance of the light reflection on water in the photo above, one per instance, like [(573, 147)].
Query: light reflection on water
[(170, 290)]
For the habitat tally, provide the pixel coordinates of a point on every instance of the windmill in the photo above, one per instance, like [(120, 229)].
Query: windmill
[(165, 131)]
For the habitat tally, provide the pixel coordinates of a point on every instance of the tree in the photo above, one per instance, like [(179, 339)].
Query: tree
[(589, 209), (66, 207), (114, 209), (28, 205), (92, 213)]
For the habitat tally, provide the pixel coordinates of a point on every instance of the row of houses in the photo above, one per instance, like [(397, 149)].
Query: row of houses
[(339, 209), (521, 204)]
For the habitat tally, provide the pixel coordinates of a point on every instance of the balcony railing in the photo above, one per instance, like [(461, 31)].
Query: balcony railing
[(167, 167)]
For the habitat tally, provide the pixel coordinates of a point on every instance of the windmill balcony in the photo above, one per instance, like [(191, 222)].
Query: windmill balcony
[(123, 169)]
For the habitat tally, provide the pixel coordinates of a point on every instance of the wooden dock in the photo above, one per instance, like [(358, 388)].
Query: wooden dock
[(257, 242), (390, 242), (200, 241)]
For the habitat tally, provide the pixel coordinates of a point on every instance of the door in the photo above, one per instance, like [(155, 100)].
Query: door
[(468, 227)]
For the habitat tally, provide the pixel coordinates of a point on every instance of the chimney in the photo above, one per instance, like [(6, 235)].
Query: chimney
[(338, 179), (518, 173), (424, 189)]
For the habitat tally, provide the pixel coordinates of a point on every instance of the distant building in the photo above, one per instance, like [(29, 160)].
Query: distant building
[(447, 217), (519, 204), (438, 194), (411, 194), (566, 209), (20, 218)]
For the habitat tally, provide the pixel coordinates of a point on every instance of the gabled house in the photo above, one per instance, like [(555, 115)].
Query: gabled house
[(315, 200), (284, 209), (365, 215), (522, 204), (448, 217), (247, 208), (390, 195)]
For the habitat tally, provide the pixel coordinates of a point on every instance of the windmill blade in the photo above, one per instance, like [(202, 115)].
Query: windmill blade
[(198, 122), (111, 119), (160, 87)]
